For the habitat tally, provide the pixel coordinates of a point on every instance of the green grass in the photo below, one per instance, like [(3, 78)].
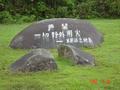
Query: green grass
[(67, 77)]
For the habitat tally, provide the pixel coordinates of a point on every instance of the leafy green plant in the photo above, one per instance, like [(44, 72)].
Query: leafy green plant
[(6, 17)]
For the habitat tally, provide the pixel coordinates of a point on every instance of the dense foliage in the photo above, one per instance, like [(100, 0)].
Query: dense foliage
[(29, 10)]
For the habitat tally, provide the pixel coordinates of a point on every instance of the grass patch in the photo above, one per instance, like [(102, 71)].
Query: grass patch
[(67, 77)]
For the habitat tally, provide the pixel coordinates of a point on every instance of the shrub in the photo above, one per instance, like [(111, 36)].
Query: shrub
[(84, 10), (27, 18), (61, 12), (114, 8), (6, 17)]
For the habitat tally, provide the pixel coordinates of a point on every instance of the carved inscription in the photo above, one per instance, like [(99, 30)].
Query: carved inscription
[(63, 36)]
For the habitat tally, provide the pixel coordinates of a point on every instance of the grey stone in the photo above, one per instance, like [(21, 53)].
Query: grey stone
[(36, 60), (76, 55), (52, 32)]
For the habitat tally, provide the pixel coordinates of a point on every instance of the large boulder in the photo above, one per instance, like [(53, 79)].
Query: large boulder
[(76, 55), (36, 60), (52, 32)]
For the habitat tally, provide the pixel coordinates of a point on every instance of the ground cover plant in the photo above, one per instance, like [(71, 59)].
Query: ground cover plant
[(104, 76)]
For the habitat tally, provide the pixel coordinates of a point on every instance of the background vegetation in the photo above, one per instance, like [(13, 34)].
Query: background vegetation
[(12, 11), (67, 77)]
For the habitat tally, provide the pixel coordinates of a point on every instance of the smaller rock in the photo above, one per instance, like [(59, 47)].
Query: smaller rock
[(36, 60), (76, 55)]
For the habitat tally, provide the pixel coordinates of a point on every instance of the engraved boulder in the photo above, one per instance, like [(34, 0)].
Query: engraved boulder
[(51, 32)]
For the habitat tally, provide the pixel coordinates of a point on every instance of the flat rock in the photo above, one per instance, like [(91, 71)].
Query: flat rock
[(36, 60), (51, 32), (76, 55)]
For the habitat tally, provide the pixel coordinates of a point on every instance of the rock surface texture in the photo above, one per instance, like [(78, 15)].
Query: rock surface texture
[(76, 55), (52, 32), (36, 60)]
